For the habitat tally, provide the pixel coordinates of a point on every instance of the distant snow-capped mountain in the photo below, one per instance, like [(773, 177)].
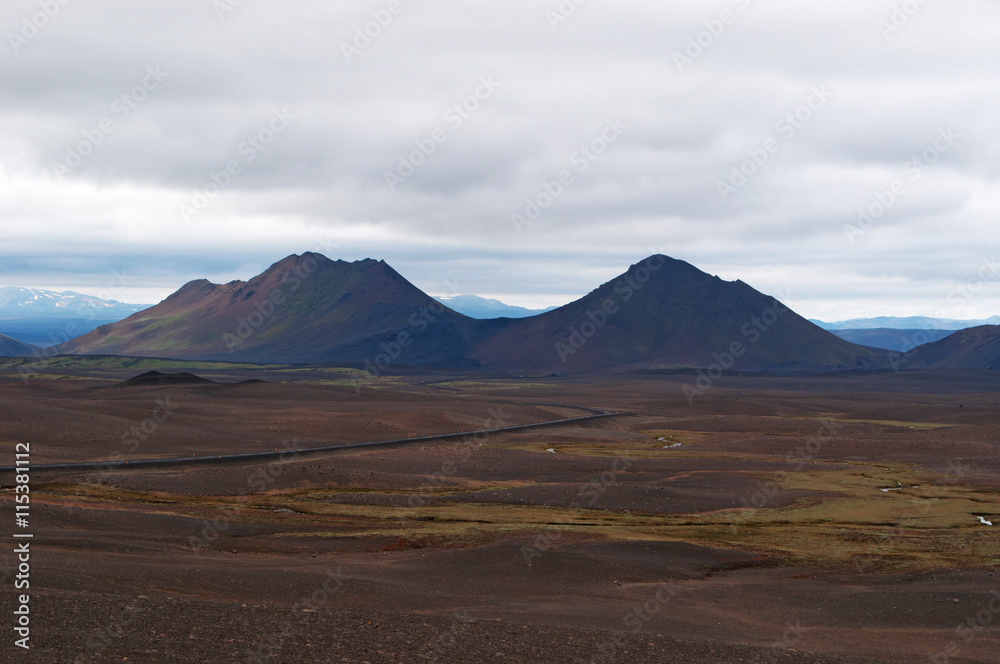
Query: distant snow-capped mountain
[(46, 318), (37, 303)]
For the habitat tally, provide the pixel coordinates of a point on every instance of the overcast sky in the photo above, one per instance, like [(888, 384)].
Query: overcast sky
[(742, 136)]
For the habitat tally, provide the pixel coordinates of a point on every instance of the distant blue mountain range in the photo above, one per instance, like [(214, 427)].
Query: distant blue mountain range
[(474, 306), (45, 318), (906, 323)]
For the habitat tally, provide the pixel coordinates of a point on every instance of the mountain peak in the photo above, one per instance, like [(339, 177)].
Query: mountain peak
[(305, 307), (18, 302), (662, 312), (311, 261), (192, 290)]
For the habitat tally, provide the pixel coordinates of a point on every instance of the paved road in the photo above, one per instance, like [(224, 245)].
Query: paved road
[(593, 414)]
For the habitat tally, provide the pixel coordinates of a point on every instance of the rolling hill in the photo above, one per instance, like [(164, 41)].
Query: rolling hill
[(892, 339), (975, 348), (13, 348), (662, 313)]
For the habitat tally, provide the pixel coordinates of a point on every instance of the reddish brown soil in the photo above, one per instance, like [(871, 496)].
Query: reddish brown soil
[(119, 581)]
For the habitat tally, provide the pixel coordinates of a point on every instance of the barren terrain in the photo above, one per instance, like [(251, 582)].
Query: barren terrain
[(813, 519)]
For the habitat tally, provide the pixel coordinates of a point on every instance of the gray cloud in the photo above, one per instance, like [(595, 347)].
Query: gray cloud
[(656, 188)]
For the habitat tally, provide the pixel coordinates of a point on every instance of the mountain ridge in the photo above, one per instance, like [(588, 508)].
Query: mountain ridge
[(310, 309), (899, 340), (44, 318), (305, 297), (973, 348), (905, 323), (10, 347), (18, 302)]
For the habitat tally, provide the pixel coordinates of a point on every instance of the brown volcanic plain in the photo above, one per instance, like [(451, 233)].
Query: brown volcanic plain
[(747, 525)]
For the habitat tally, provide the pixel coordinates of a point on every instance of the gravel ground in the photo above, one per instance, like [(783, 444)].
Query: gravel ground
[(110, 628)]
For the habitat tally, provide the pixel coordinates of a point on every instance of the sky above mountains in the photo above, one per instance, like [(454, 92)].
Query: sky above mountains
[(842, 157)]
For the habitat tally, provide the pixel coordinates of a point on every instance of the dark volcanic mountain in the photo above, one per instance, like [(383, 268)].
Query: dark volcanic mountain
[(665, 313), (305, 309), (975, 348), (13, 348), (662, 313)]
